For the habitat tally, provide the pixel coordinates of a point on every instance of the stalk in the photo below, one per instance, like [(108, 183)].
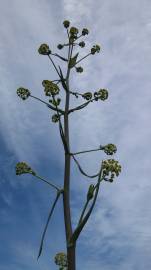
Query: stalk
[(66, 195)]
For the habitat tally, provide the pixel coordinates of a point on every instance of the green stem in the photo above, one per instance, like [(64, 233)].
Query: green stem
[(80, 227), (83, 58), (54, 65), (48, 105), (49, 183), (83, 212), (46, 226), (87, 151)]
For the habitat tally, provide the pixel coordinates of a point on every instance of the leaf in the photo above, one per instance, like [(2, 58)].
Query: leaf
[(62, 79), (73, 60)]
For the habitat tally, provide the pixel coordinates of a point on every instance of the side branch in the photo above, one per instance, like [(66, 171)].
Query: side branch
[(79, 228), (81, 106), (48, 105), (82, 171), (49, 183), (46, 226)]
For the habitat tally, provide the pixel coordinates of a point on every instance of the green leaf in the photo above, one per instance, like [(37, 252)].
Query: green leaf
[(73, 61)]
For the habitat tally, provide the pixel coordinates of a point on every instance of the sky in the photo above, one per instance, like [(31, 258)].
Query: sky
[(118, 234)]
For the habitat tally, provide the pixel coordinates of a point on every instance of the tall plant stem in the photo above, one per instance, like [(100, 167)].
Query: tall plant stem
[(66, 194)]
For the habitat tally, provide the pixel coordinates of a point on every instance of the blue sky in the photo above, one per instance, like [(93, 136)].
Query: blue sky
[(118, 233)]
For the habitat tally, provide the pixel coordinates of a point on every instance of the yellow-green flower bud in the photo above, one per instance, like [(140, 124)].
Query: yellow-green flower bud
[(82, 44), (60, 46), (55, 118), (85, 31), (61, 259), (55, 102), (66, 23), (22, 167), (95, 48), (101, 94), (87, 95), (74, 31), (110, 149), (90, 192), (44, 49), (79, 69), (23, 93), (111, 166), (50, 88)]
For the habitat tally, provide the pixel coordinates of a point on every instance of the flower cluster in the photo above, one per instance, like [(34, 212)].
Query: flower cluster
[(82, 44), (61, 260), (87, 95), (101, 94), (55, 118), (79, 69), (23, 93), (85, 31), (50, 88), (60, 46), (95, 48), (44, 49), (112, 167), (73, 34), (22, 167), (109, 149), (66, 23)]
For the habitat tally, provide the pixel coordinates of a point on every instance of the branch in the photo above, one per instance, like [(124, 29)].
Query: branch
[(59, 56), (61, 130), (82, 152), (81, 170), (81, 106), (82, 58), (62, 79), (46, 226), (79, 228), (48, 105), (54, 65), (83, 212), (49, 183)]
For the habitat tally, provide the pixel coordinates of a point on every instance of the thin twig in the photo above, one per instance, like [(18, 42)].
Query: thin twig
[(49, 183), (48, 105), (54, 65), (46, 226), (82, 58), (82, 171), (81, 106), (87, 151), (85, 219)]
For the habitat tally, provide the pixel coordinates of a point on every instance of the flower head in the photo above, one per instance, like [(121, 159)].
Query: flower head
[(87, 95), (66, 23), (79, 69), (55, 118), (85, 31), (112, 167), (82, 44), (44, 49), (22, 167), (50, 88), (95, 48), (74, 31), (60, 46), (109, 149), (23, 93), (61, 259), (101, 94)]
